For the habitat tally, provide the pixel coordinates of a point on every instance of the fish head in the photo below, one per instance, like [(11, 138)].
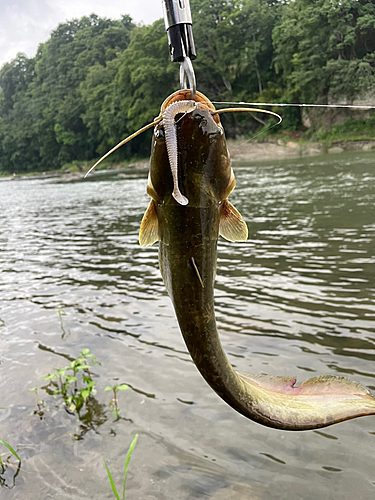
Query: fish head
[(205, 175)]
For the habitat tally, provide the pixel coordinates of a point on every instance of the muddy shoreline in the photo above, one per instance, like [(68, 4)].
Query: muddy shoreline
[(241, 151), (249, 151)]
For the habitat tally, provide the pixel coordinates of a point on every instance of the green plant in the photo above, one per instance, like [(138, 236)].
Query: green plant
[(12, 451), (62, 313), (127, 460), (74, 166), (74, 382), (115, 388), (39, 403)]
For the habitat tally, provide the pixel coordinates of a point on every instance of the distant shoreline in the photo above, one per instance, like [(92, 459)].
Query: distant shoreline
[(279, 149), (241, 151)]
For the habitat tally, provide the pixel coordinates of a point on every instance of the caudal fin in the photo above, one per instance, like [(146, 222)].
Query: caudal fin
[(317, 402)]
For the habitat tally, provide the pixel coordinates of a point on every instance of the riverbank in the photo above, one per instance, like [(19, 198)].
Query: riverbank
[(279, 149), (241, 150)]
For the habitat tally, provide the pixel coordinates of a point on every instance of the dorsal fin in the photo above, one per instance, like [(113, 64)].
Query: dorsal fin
[(148, 233), (232, 226)]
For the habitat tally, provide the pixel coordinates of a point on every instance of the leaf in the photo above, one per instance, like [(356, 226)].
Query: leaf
[(111, 481), (10, 449), (88, 380), (123, 387), (85, 393), (79, 368), (128, 457), (108, 388), (68, 399)]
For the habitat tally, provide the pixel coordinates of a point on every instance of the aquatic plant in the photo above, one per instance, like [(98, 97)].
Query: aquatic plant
[(4, 465), (74, 382), (65, 333), (115, 388), (12, 451), (39, 403), (127, 460)]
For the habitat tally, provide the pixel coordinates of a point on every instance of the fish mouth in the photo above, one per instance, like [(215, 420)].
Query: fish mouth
[(185, 95)]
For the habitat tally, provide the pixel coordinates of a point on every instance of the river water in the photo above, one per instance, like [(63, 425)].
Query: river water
[(298, 298)]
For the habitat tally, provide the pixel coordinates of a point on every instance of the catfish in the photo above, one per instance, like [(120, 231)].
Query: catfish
[(191, 137)]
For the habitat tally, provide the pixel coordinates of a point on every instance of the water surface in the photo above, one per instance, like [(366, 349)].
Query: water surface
[(297, 299)]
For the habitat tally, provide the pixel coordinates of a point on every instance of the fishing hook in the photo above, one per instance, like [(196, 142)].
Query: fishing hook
[(178, 24), (187, 76)]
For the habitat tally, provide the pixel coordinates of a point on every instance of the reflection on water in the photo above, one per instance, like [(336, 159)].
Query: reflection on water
[(296, 299)]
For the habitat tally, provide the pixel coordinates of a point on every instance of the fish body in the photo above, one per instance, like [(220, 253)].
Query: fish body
[(187, 236)]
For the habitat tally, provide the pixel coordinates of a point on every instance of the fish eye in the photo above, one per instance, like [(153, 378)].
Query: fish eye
[(159, 133)]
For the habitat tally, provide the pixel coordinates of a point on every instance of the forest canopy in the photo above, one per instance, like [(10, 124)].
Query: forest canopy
[(96, 80)]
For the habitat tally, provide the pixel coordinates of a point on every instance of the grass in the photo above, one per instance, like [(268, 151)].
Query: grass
[(12, 451), (351, 130), (127, 460)]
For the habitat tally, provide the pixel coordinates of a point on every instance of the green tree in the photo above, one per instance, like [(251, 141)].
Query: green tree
[(144, 79), (325, 48), (95, 81), (95, 91), (14, 80), (41, 108), (234, 40)]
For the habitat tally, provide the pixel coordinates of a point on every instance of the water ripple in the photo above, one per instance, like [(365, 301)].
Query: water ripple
[(298, 298)]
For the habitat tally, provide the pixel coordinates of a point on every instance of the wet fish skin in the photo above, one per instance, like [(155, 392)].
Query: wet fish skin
[(187, 255)]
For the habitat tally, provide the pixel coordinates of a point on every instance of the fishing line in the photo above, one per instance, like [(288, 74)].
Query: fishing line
[(350, 106)]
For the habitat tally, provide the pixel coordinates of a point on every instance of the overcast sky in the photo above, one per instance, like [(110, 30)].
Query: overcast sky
[(26, 23)]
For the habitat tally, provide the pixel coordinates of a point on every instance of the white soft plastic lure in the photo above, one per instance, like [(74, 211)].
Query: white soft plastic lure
[(170, 131)]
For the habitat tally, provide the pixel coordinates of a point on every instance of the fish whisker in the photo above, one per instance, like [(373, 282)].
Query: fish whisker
[(124, 141)]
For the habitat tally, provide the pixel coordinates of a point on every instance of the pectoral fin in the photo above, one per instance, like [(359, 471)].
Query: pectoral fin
[(232, 226), (148, 233)]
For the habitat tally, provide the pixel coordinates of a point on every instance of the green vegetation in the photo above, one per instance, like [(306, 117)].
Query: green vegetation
[(39, 404), (115, 388), (74, 382), (96, 80), (7, 464), (352, 130), (13, 453), (127, 460)]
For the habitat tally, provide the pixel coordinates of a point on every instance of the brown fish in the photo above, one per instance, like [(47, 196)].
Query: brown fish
[(187, 236)]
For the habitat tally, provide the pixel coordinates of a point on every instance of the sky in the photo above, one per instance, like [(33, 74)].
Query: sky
[(26, 23)]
